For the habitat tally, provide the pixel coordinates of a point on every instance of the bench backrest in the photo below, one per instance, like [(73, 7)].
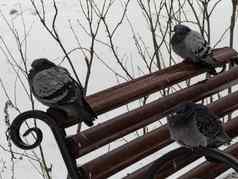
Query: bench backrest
[(95, 137)]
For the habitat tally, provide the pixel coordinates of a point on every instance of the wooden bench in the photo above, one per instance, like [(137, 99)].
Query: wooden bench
[(78, 145)]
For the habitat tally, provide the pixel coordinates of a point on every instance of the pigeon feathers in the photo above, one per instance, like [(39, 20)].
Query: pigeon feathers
[(192, 125), (53, 86), (191, 46)]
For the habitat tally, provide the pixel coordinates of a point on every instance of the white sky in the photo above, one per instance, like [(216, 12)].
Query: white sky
[(41, 45)]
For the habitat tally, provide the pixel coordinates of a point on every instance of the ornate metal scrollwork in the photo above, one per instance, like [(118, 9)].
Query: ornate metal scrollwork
[(14, 131), (59, 134)]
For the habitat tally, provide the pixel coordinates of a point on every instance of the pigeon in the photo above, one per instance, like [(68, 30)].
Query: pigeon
[(191, 46), (53, 86), (193, 125)]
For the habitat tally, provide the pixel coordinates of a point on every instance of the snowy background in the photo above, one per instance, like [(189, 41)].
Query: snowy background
[(40, 44)]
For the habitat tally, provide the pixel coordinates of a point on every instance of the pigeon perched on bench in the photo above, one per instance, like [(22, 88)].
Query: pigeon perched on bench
[(192, 47), (192, 125), (53, 86)]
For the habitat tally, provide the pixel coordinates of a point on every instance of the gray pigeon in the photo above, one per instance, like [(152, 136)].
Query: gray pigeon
[(192, 125), (191, 46), (54, 87)]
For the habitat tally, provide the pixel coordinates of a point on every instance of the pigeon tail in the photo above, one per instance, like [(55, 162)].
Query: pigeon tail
[(221, 139), (210, 67), (86, 116), (87, 113), (210, 60), (211, 64)]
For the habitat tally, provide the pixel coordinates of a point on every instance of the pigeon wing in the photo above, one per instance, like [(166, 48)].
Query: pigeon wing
[(197, 44), (208, 124), (211, 127), (49, 85)]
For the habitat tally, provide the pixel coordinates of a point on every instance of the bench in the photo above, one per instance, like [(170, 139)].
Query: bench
[(76, 146)]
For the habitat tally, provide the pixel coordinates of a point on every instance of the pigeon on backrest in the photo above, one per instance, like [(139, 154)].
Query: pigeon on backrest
[(192, 125), (53, 86), (191, 46)]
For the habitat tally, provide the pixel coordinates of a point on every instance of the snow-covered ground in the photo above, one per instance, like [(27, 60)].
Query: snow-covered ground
[(40, 44)]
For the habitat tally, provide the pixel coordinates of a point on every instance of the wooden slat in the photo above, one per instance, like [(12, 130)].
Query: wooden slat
[(114, 97), (126, 92), (133, 120), (110, 163)]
